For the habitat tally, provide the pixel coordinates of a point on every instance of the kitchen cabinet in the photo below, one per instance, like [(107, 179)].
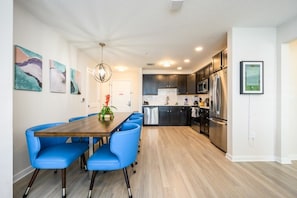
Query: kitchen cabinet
[(224, 58), (186, 84), (174, 115), (167, 81), (182, 84), (203, 73), (149, 84), (219, 61), (199, 75), (191, 84)]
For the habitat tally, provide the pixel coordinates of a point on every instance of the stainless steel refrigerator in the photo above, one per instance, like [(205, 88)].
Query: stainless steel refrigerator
[(218, 109)]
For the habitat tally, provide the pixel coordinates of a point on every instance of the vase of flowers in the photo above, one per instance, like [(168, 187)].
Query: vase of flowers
[(106, 113)]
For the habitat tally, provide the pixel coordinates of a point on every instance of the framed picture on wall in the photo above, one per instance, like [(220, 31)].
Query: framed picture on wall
[(75, 82), (28, 70), (251, 77)]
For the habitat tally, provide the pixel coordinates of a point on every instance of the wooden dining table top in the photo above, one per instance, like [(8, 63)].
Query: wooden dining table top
[(87, 127)]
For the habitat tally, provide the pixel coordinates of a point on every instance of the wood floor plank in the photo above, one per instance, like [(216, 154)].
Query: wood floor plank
[(174, 162)]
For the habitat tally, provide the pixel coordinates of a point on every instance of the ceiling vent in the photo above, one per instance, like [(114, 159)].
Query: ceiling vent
[(176, 5), (150, 64)]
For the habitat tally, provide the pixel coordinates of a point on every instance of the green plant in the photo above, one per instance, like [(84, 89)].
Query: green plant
[(107, 110)]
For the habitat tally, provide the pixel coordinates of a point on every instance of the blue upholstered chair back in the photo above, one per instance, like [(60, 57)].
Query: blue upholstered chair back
[(76, 118), (137, 120), (136, 115), (92, 114), (35, 144), (124, 143)]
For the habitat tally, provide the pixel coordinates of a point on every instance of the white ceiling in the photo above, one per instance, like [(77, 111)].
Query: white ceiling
[(137, 32)]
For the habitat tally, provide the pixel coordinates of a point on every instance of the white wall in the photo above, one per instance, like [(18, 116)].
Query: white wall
[(6, 81), (33, 108), (286, 147), (252, 115), (132, 75)]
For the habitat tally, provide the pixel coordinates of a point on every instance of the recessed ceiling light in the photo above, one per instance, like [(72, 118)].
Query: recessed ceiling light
[(121, 68), (198, 49), (166, 64), (179, 68), (187, 60)]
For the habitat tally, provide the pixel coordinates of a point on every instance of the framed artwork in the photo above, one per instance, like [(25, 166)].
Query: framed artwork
[(28, 70), (57, 77), (251, 77), (75, 82)]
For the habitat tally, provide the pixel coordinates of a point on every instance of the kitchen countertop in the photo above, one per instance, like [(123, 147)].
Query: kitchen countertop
[(203, 107), (167, 105)]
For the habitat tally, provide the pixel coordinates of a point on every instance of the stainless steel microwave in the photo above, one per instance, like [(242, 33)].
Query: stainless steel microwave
[(202, 86)]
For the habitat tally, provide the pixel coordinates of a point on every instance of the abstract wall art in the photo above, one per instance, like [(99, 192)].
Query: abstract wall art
[(28, 70), (75, 82), (57, 77)]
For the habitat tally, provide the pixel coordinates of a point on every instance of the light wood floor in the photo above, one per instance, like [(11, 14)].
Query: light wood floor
[(174, 162)]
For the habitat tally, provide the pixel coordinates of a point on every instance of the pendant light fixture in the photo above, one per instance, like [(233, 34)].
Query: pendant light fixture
[(102, 72)]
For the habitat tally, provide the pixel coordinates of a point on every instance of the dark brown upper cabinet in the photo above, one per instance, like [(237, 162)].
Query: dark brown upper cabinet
[(167, 80), (149, 84), (191, 83), (219, 61)]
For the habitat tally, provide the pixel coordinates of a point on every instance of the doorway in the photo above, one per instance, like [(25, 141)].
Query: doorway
[(121, 95), (92, 95)]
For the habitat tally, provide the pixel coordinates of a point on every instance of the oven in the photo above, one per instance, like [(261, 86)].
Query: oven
[(195, 119)]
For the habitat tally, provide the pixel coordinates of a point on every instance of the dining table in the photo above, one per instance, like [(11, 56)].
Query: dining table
[(87, 127)]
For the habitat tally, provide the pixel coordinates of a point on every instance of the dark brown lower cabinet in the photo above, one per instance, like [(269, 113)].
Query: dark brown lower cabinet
[(174, 116)]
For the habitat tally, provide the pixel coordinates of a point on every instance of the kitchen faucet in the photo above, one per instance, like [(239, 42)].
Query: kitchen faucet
[(167, 100)]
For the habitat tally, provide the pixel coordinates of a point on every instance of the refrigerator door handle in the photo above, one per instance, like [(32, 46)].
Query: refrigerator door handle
[(218, 122), (218, 95)]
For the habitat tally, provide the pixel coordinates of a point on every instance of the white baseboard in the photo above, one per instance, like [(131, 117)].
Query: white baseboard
[(245, 158), (293, 157), (22, 174), (283, 160)]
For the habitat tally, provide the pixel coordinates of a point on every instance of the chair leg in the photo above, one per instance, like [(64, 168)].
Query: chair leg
[(92, 183), (127, 182), (83, 163), (31, 182), (64, 183), (132, 166), (101, 142)]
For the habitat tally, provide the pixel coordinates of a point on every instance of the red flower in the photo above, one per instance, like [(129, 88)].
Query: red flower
[(107, 98)]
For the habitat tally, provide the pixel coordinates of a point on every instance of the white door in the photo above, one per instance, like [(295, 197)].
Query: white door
[(93, 99), (121, 95)]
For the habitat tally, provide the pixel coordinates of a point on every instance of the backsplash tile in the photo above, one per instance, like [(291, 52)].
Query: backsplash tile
[(174, 99)]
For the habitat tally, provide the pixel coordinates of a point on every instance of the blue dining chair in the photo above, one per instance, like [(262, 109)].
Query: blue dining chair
[(136, 114), (137, 120), (120, 153), (82, 139), (92, 114), (51, 153)]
